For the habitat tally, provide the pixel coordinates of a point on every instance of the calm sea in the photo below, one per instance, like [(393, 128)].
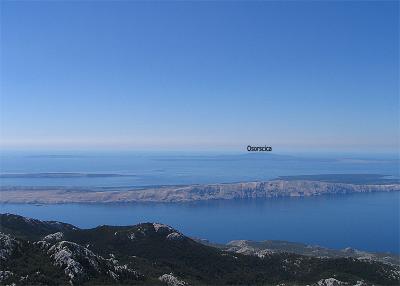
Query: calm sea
[(363, 221), (180, 168)]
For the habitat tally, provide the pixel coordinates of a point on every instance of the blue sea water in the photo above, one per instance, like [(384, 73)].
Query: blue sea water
[(180, 168), (363, 221)]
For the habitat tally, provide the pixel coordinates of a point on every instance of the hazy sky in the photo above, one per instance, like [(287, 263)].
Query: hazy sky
[(171, 75)]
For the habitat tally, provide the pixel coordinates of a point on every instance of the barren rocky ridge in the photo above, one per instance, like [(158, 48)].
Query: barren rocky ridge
[(242, 190)]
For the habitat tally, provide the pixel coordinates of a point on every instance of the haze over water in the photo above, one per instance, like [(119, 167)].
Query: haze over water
[(168, 168)]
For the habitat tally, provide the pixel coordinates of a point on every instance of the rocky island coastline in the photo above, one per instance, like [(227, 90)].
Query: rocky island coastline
[(288, 187)]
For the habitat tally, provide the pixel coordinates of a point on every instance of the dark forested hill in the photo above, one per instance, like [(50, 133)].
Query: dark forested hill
[(34, 252)]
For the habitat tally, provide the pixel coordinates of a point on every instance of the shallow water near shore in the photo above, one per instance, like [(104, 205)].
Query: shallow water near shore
[(368, 222)]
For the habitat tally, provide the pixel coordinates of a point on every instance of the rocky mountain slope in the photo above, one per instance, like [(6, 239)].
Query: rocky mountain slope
[(262, 248), (34, 252)]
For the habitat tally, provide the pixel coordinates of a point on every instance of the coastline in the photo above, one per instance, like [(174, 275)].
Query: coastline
[(189, 193)]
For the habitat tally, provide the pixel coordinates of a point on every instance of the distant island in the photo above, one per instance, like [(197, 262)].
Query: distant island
[(296, 186), (50, 175)]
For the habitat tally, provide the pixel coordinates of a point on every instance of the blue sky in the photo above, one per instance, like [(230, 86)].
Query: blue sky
[(200, 75)]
